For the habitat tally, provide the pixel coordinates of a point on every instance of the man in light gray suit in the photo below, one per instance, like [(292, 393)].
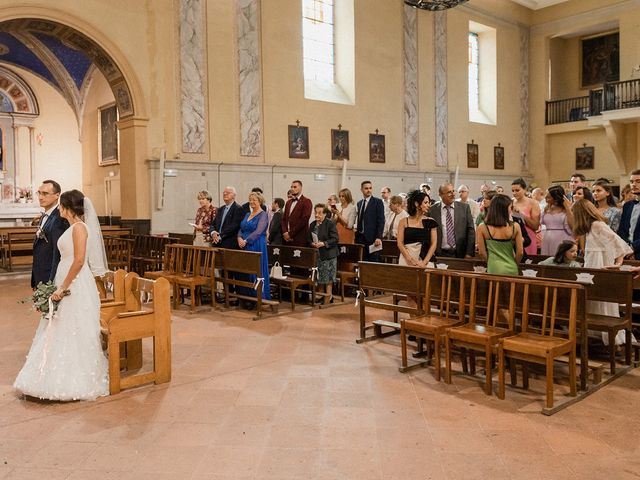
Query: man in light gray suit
[(456, 233)]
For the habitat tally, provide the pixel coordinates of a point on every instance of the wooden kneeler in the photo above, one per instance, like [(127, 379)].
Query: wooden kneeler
[(135, 325)]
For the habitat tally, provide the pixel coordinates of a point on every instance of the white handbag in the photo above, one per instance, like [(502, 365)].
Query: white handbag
[(276, 271)]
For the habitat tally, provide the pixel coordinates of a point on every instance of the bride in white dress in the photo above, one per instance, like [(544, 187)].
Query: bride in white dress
[(66, 361)]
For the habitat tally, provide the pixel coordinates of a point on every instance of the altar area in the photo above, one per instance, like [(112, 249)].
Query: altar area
[(18, 214)]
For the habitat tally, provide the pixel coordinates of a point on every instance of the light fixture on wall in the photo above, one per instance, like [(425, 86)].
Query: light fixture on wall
[(434, 5)]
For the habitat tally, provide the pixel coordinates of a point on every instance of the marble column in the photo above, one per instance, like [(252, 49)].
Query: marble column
[(249, 77), (32, 156), (524, 98), (16, 163), (193, 75), (442, 115), (410, 86)]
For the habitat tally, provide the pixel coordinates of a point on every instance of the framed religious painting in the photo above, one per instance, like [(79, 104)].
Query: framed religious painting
[(376, 148), (472, 155), (599, 59), (339, 144), (108, 139), (498, 157), (584, 157), (298, 141)]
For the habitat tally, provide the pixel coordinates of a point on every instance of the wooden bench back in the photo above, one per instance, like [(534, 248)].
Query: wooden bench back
[(390, 278), (390, 252), (445, 294), (349, 256), (241, 261), (294, 257), (111, 286)]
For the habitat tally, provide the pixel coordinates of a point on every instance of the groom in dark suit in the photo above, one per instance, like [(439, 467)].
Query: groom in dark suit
[(370, 223), (46, 255)]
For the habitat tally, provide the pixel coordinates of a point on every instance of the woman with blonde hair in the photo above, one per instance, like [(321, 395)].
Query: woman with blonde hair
[(253, 238), (602, 248), (345, 216)]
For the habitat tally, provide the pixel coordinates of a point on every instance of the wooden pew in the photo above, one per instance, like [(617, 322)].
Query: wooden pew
[(390, 252), (248, 263), (134, 325), (118, 250), (19, 248), (300, 265), (348, 258), (148, 252), (400, 282), (131, 351)]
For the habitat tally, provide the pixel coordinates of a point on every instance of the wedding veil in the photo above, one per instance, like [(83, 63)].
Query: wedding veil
[(96, 254)]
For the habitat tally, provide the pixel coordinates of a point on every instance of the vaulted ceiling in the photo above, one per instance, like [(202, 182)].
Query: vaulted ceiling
[(537, 4)]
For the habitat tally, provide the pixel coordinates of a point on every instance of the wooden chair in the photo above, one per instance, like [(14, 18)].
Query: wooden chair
[(400, 282), (491, 317), (197, 272), (390, 252), (350, 255), (302, 265), (444, 308), (118, 250), (134, 325), (148, 252), (248, 263), (540, 342)]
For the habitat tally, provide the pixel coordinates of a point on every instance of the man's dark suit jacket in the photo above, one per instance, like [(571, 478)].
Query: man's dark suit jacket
[(296, 222), (275, 229), (462, 226), (373, 221), (229, 231), (46, 255), (625, 225)]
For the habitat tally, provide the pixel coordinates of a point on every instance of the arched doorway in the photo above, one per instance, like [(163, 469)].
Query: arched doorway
[(72, 60)]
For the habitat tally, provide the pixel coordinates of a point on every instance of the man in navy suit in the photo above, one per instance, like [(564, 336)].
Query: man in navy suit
[(629, 229), (46, 255), (456, 233), (224, 229), (370, 223)]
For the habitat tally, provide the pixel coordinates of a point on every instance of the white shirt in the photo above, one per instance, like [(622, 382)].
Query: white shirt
[(443, 223), (45, 217), (387, 223)]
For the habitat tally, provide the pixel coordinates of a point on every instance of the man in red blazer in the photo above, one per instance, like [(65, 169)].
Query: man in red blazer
[(295, 220)]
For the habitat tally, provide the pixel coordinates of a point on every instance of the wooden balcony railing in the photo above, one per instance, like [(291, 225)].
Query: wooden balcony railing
[(612, 96)]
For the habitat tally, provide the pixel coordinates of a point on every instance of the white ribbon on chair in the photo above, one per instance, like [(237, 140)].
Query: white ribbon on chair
[(314, 273), (358, 293), (257, 283)]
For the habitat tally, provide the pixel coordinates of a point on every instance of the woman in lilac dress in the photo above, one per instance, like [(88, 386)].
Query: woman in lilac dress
[(253, 238), (558, 220)]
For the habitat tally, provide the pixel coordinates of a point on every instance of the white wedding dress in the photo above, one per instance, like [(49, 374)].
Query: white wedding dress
[(66, 361)]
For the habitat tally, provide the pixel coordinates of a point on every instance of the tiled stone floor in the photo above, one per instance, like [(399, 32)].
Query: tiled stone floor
[(295, 397)]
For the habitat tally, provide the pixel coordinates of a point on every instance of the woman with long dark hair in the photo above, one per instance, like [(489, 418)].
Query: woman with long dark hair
[(565, 255), (606, 205), (417, 233), (557, 218), (529, 210), (500, 239)]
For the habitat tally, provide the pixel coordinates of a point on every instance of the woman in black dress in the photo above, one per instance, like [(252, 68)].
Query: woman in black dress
[(417, 234)]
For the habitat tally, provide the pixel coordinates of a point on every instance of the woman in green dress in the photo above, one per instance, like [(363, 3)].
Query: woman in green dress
[(500, 239)]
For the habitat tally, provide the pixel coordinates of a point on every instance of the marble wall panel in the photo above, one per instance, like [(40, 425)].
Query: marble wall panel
[(410, 86)]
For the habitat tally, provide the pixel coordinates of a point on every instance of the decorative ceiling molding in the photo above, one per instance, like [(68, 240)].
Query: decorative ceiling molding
[(538, 4)]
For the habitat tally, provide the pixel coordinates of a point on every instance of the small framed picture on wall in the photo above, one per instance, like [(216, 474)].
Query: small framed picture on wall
[(376, 148), (472, 155), (584, 157), (339, 144), (298, 141), (108, 135), (498, 157)]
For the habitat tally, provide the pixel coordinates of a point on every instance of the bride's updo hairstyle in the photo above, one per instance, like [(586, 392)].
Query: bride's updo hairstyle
[(73, 200)]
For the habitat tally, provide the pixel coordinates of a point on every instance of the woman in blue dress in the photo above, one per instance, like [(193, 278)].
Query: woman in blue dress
[(253, 238)]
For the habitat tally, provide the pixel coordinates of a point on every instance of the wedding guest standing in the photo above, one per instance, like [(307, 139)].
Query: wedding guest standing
[(557, 218), (370, 223), (629, 230), (323, 235), (393, 220), (529, 210), (204, 218), (275, 226), (345, 216), (417, 232), (606, 204), (225, 226), (456, 233), (252, 237), (295, 221)]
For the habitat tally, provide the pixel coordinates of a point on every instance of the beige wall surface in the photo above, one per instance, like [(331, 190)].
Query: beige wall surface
[(143, 38)]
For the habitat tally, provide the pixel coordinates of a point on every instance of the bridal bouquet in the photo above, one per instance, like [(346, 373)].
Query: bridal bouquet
[(40, 297)]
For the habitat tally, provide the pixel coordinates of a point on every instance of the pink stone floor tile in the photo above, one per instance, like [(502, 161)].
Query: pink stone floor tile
[(294, 397)]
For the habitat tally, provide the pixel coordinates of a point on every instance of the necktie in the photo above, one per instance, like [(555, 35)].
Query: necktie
[(363, 208), (390, 232), (225, 209), (451, 236)]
